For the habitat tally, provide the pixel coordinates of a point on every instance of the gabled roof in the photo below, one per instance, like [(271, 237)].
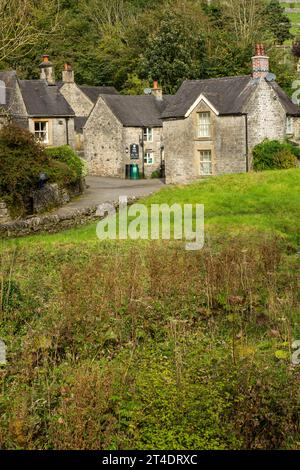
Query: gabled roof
[(227, 95), (93, 92), (291, 108), (79, 123), (137, 111), (42, 100)]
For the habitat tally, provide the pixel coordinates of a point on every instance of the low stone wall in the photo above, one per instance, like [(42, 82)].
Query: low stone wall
[(47, 223), (52, 223), (4, 213), (53, 195)]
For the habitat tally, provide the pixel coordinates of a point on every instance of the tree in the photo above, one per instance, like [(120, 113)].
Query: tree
[(277, 22), (19, 25)]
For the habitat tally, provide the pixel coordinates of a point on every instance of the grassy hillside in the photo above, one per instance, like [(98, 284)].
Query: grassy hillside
[(124, 345)]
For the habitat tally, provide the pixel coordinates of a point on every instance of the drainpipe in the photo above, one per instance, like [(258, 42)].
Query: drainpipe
[(143, 153), (67, 130), (247, 143)]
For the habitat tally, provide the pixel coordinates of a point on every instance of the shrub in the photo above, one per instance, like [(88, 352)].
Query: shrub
[(22, 159), (272, 155), (155, 174), (65, 154)]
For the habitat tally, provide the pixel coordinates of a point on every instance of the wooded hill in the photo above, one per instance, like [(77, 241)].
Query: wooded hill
[(128, 43)]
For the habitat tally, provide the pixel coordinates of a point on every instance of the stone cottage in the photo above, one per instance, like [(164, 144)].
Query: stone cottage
[(55, 111), (122, 130), (82, 100), (39, 106), (211, 126)]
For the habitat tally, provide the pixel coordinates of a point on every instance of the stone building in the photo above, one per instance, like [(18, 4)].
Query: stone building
[(122, 130), (82, 100), (211, 126), (55, 111), (39, 106)]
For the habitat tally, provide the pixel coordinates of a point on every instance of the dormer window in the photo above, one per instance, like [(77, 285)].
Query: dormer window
[(204, 125), (289, 125)]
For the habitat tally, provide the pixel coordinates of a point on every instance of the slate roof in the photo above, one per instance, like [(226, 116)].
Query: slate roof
[(228, 95), (42, 100), (137, 111), (93, 92), (79, 122)]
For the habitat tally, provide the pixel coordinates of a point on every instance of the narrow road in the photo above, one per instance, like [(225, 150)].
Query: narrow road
[(102, 189)]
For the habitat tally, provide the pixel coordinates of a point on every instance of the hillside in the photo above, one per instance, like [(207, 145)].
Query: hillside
[(125, 345)]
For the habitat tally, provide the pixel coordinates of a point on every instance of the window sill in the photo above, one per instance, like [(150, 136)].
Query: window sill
[(203, 139)]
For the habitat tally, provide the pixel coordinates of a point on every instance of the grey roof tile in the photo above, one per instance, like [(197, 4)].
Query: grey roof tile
[(228, 95), (93, 92), (42, 100), (137, 111)]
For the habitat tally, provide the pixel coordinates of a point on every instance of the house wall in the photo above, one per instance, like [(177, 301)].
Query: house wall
[(266, 116), (57, 130), (133, 135), (103, 142), (182, 146), (107, 144), (78, 101)]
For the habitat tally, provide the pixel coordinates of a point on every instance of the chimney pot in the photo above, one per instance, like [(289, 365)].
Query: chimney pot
[(68, 73), (47, 70), (260, 62)]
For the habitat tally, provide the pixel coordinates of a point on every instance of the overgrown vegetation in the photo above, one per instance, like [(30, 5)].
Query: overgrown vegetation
[(23, 159), (275, 155), (125, 345)]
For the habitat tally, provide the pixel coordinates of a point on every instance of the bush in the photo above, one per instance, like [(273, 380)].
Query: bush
[(275, 155), (22, 159), (67, 155)]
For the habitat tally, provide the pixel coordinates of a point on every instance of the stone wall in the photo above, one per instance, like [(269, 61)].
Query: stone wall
[(107, 144), (53, 223), (266, 116), (182, 146), (133, 135), (4, 213), (52, 195), (78, 101)]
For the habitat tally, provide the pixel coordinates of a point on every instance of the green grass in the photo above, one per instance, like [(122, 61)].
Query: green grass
[(143, 345), (267, 202)]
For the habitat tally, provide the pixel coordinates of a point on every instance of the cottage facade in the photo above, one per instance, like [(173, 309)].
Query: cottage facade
[(211, 126), (38, 105), (122, 130)]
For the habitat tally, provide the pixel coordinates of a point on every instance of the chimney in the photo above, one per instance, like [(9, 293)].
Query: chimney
[(68, 74), (157, 91), (260, 62), (47, 71)]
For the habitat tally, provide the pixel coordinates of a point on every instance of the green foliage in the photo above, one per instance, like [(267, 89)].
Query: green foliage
[(278, 22), (65, 154), (22, 159), (273, 154), (128, 43)]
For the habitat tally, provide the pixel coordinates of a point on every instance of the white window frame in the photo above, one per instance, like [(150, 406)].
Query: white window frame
[(204, 125), (205, 159), (149, 154), (289, 125), (38, 133), (148, 134)]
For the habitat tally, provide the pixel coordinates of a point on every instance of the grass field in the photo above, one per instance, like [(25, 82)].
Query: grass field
[(125, 345)]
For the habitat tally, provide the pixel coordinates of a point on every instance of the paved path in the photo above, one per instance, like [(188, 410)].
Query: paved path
[(108, 190)]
